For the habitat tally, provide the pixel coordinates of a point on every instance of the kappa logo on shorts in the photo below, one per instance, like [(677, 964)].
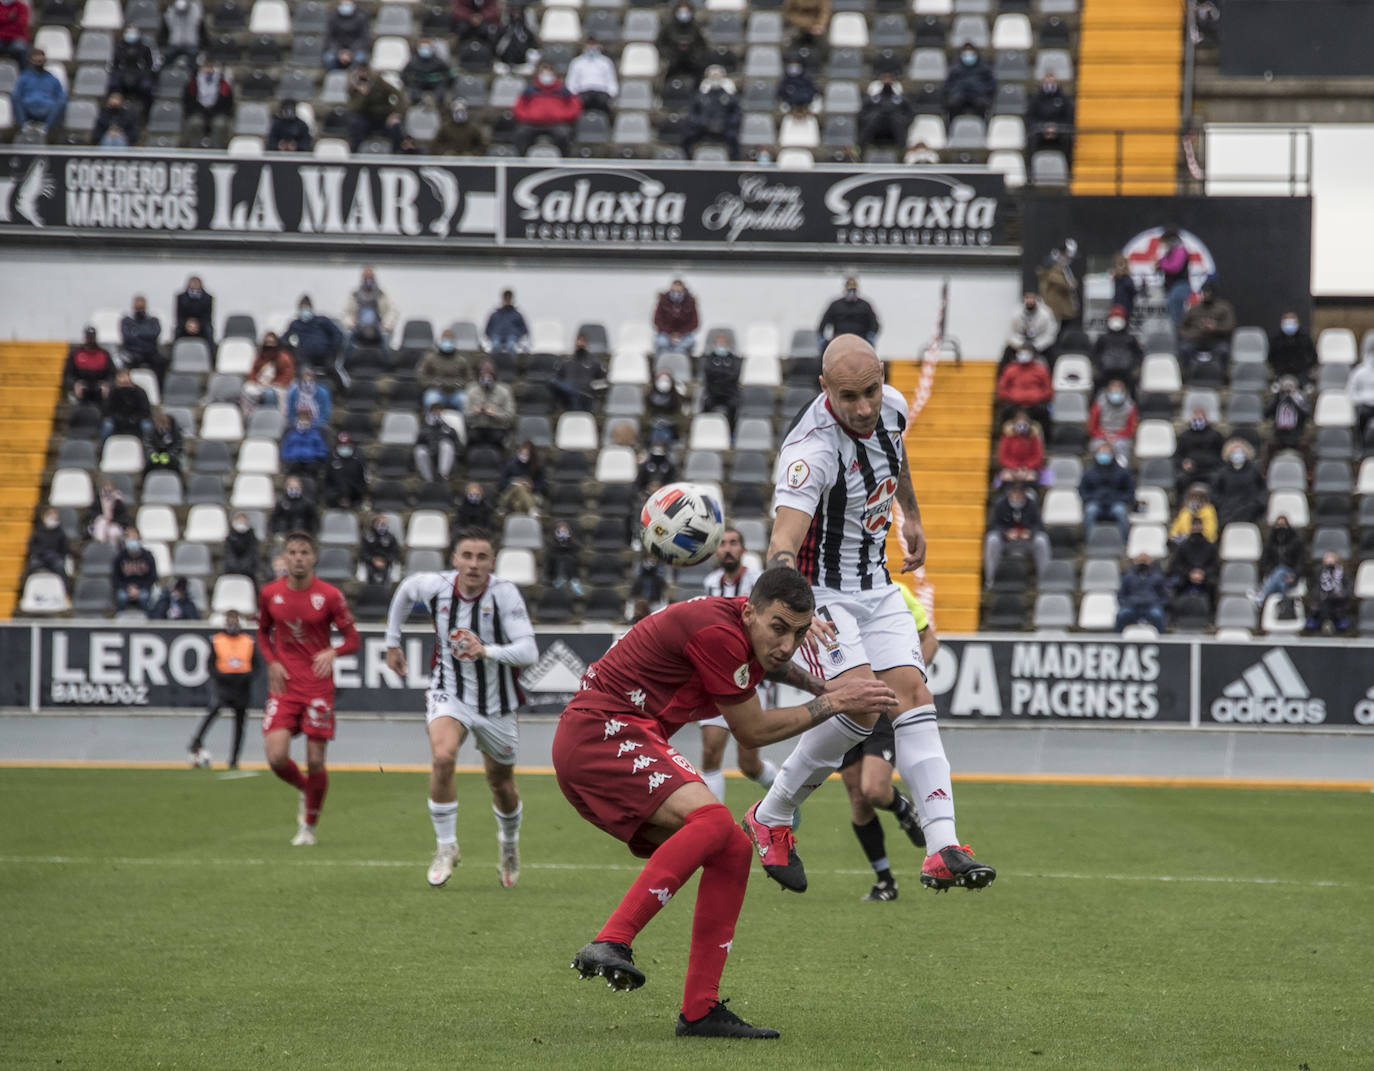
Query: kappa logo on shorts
[(627, 746), (656, 779), (642, 762), (612, 727), (798, 473), (317, 601), (742, 676), (637, 697)]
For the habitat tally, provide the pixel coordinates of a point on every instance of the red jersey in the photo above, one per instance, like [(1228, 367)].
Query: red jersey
[(676, 666), (293, 627)]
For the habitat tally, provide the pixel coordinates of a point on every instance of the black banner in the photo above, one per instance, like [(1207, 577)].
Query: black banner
[(1295, 38), (1293, 685)]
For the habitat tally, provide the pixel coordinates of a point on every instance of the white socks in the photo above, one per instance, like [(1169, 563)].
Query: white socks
[(921, 760), (445, 819), (715, 781), (768, 774), (508, 825), (817, 754)]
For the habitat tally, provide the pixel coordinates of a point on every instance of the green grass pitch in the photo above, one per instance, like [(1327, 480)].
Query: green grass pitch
[(160, 920)]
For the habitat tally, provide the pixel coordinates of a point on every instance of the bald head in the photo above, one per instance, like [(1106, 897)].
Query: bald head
[(849, 354), (852, 378)]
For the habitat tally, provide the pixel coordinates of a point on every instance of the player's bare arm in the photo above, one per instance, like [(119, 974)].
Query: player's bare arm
[(789, 529), (930, 644), (753, 726), (913, 534), (323, 662), (277, 678), (396, 662), (792, 674)]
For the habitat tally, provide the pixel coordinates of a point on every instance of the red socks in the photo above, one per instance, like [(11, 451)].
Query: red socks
[(289, 772), (316, 785)]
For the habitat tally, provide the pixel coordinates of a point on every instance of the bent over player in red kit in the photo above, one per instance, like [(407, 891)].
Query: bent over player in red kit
[(690, 661), (294, 617)]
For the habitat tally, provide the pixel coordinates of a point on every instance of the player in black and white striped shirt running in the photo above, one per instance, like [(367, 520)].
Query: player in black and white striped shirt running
[(482, 637)]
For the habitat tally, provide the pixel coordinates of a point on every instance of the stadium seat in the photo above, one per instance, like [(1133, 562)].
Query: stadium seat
[(1236, 611), (91, 596), (1240, 542), (1160, 372), (390, 54), (1097, 611), (157, 524), (1101, 575), (517, 565), (1238, 578), (1053, 610), (71, 487), (270, 17), (1334, 410), (1364, 482), (576, 431), (267, 423), (252, 491), (1152, 506), (233, 592), (428, 528), (1274, 624), (122, 453), (628, 367), (259, 455), (1155, 438), (616, 464), (709, 431), (44, 593), (639, 60), (340, 527), (1336, 345), (1049, 168), (191, 560), (761, 372), (399, 429), (1073, 371), (521, 530), (1249, 345), (1290, 504), (1012, 31), (206, 524), (221, 422), (1062, 506), (1151, 539)]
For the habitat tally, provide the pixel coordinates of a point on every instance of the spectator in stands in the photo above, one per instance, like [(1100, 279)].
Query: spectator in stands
[(1359, 388), (1198, 454), (195, 329), (133, 574), (885, 113), (525, 464), (315, 340), (459, 134), (126, 410), (1025, 384), (970, 87), (443, 374), (592, 77), (38, 98), (241, 548), (132, 67), (474, 511), (381, 551), (563, 560), (719, 377), (1116, 353), (714, 114), (1107, 489), (518, 497), (345, 477), (1114, 417), (476, 20), (183, 33), (196, 303), (506, 329), (14, 31), (1206, 329), (545, 109), (655, 466), (1289, 413), (1328, 607), (797, 89), (1173, 267), (1195, 567), (1059, 284), (577, 379), (289, 132), (811, 17), (175, 603), (1281, 562), (1239, 488), (311, 396), (49, 547), (665, 410), (436, 448), (374, 106), (369, 319), (517, 38), (347, 36), (676, 320), (920, 153), (271, 376), (116, 125), (1033, 326), (428, 72), (1197, 506), (848, 314), (163, 446), (488, 409), (139, 335), (1049, 119), (1123, 286), (1291, 350), (294, 512), (303, 449), (108, 516), (681, 44), (90, 369), (1143, 595), (1015, 525), (1020, 450), (647, 581)]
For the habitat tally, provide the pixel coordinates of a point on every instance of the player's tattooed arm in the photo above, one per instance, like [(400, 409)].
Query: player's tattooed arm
[(821, 709), (789, 529), (797, 677), (913, 532), (906, 493), (783, 557)]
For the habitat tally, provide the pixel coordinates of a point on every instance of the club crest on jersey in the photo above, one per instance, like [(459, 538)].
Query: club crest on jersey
[(742, 676), (878, 507), (798, 473), (317, 601)]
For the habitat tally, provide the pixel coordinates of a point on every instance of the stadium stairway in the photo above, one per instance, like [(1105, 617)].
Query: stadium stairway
[(1130, 78), (31, 387), (948, 444)]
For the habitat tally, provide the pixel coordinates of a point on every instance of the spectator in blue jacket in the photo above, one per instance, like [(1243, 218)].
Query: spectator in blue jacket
[(315, 340), (1107, 490), (38, 97), (796, 89), (1143, 595), (308, 395), (303, 449), (506, 328)]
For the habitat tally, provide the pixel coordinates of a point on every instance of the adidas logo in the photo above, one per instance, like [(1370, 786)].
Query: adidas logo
[(938, 794), (1273, 691)]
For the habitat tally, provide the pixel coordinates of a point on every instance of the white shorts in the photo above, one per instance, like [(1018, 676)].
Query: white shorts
[(497, 737), (718, 722), (873, 628)]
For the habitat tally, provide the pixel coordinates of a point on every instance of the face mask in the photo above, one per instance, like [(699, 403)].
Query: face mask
[(460, 115), (182, 5), (1104, 458), (1116, 323), (345, 9), (968, 59), (851, 294), (659, 452), (546, 79), (194, 291), (51, 522), (131, 37), (380, 527), (424, 52), (1021, 428), (486, 381), (303, 427), (676, 295), (1237, 458), (684, 15), (794, 69), (240, 526), (447, 346), (369, 284), (524, 456), (233, 630), (1197, 424), (1116, 397), (1050, 87), (562, 537), (1029, 306), (475, 499), (133, 546), (1024, 357), (722, 350), (293, 492), (1289, 327), (1142, 567), (663, 385)]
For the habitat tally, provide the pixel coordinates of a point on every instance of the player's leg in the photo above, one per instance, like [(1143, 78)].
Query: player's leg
[(869, 831), (276, 746), (197, 746), (240, 724), (880, 752), (713, 738), (445, 737), (316, 786), (755, 767), (505, 803)]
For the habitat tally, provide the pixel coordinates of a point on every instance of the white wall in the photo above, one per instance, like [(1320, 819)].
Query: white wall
[(50, 294)]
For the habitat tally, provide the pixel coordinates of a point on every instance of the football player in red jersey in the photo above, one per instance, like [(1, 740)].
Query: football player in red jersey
[(611, 754), (294, 618)]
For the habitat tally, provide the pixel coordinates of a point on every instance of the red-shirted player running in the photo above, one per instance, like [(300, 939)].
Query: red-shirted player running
[(294, 617), (611, 753)]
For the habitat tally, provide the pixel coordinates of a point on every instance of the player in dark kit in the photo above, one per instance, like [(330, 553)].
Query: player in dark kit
[(294, 618), (611, 754)]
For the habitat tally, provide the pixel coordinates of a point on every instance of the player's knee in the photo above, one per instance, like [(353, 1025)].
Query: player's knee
[(314, 766), (751, 766), (738, 849)]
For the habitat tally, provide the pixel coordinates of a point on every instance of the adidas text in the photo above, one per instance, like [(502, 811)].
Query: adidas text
[(1275, 710)]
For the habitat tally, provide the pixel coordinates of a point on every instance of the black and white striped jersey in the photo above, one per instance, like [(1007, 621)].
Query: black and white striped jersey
[(498, 617), (847, 485), (716, 583)]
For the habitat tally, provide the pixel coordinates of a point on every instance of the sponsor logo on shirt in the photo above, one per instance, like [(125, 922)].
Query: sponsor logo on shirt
[(878, 509), (798, 473)]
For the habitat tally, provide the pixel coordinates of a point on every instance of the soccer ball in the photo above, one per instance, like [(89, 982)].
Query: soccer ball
[(682, 524), (200, 759)]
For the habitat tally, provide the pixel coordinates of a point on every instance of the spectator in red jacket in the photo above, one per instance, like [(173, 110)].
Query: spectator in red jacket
[(545, 109), (14, 31), (1113, 417), (1021, 450), (477, 19), (90, 368), (676, 320), (208, 104), (1025, 384)]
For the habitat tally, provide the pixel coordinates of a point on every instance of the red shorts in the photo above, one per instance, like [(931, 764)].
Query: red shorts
[(312, 716), (617, 770)]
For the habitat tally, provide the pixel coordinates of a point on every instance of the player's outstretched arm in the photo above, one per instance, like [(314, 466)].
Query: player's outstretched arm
[(913, 533), (753, 726), (789, 529), (792, 674)]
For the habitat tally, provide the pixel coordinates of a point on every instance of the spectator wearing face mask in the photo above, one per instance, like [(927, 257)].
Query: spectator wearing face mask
[(381, 551), (849, 314), (1116, 353), (345, 477), (1359, 388), (1239, 488), (1328, 608), (885, 113), (315, 339), (1123, 286), (665, 410), (714, 114), (208, 104), (303, 448), (476, 20), (1206, 329), (563, 560), (183, 33), (1107, 490), (38, 98), (1198, 454), (271, 376), (14, 32), (655, 467), (1195, 566), (1197, 506), (311, 396), (797, 89), (133, 574), (488, 409), (289, 132), (1059, 284), (1033, 326), (1172, 265), (117, 124), (108, 516), (525, 464), (1114, 417), (1143, 595), (970, 87), (347, 36), (1025, 384), (545, 109), (428, 72), (443, 374), (49, 547), (195, 303), (139, 335), (1291, 350), (1289, 414), (131, 68), (294, 512), (241, 548), (436, 448), (234, 663), (577, 379), (90, 369), (506, 329), (1016, 525), (592, 77), (719, 376), (163, 446), (1049, 119), (1282, 561), (459, 134), (369, 320), (676, 320), (126, 410), (681, 44), (175, 603), (474, 511), (1020, 450)]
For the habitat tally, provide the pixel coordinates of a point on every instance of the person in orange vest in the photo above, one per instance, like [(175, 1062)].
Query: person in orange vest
[(234, 663)]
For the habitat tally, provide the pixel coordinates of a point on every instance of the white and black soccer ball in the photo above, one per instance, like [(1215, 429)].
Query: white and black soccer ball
[(682, 524), (200, 759)]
